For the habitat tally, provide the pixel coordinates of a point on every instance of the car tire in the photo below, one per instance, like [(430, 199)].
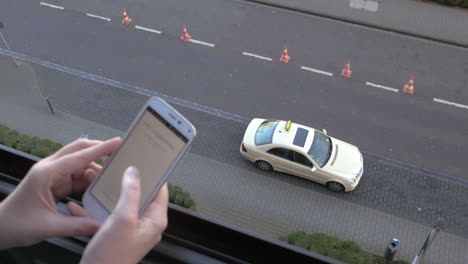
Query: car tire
[(335, 187), (263, 165)]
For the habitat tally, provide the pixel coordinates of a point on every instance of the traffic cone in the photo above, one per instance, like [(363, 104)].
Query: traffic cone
[(346, 72), (284, 56), (408, 88), (126, 20), (185, 35)]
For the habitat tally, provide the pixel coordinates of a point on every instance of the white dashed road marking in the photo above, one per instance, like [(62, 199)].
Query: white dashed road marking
[(316, 71), (450, 103), (148, 29), (53, 6), (382, 87), (100, 17), (256, 56), (202, 43)]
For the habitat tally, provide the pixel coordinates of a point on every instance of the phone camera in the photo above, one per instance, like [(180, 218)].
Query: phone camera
[(179, 122), (190, 131)]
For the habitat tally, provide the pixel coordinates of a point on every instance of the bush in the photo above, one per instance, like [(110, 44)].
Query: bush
[(454, 2), (10, 138), (293, 237), (180, 197), (346, 251), (459, 3), (44, 148), (3, 131)]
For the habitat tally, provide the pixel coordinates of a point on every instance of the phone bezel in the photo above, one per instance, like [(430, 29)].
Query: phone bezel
[(174, 118)]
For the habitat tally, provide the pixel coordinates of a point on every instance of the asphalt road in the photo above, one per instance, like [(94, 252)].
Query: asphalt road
[(412, 129)]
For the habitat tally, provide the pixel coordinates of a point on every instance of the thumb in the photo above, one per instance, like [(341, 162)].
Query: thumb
[(129, 201)]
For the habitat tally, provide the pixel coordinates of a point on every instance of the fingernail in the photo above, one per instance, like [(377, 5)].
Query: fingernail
[(131, 172)]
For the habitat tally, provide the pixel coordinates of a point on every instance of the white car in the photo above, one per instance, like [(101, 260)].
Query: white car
[(302, 151)]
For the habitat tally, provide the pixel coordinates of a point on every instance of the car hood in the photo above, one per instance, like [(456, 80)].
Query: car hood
[(345, 159)]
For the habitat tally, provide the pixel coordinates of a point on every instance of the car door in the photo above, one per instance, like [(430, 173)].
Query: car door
[(281, 159), (304, 167)]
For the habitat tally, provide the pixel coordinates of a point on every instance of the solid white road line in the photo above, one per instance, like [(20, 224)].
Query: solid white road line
[(382, 87), (317, 71), (148, 29), (53, 6), (100, 17), (202, 43), (450, 103), (256, 56)]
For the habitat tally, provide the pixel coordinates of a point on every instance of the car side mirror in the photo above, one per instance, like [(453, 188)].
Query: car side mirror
[(313, 169), (324, 131)]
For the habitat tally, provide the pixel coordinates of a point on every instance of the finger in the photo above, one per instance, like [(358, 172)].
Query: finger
[(80, 185), (74, 146), (75, 210), (66, 226), (77, 162), (129, 201), (154, 219), (92, 166)]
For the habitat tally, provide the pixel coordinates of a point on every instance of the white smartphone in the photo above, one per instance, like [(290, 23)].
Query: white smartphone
[(155, 143)]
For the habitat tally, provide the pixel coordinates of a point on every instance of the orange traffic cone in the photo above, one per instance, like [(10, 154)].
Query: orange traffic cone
[(408, 88), (346, 72), (185, 35), (284, 56), (126, 20)]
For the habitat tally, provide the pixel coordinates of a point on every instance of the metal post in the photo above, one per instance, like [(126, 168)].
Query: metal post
[(6, 44), (439, 224), (50, 105)]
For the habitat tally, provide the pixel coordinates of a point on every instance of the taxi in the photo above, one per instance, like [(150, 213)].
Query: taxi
[(302, 151)]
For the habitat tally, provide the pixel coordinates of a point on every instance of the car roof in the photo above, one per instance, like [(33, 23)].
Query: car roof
[(291, 138)]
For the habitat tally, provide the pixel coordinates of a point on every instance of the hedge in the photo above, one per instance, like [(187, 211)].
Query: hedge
[(459, 3), (333, 247), (45, 147)]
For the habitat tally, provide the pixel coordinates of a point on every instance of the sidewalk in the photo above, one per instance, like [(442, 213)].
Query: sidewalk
[(23, 108), (256, 209), (413, 17)]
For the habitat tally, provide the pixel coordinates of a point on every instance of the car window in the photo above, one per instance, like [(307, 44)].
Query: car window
[(282, 153), (265, 132), (321, 149), (301, 159)]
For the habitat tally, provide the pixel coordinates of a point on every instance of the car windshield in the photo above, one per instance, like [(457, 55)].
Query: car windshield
[(265, 132), (321, 149)]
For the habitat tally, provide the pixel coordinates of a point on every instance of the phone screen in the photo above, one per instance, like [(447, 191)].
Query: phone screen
[(152, 146)]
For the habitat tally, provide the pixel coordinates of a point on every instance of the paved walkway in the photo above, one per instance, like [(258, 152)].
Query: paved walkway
[(423, 19), (22, 108)]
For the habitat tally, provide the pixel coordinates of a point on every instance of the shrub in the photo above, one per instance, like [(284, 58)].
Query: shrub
[(10, 138), (346, 251), (26, 144), (3, 131), (460, 3), (454, 2), (44, 148), (180, 197), (293, 237)]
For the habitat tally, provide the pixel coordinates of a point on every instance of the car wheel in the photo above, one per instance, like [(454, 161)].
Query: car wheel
[(335, 186), (263, 165)]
